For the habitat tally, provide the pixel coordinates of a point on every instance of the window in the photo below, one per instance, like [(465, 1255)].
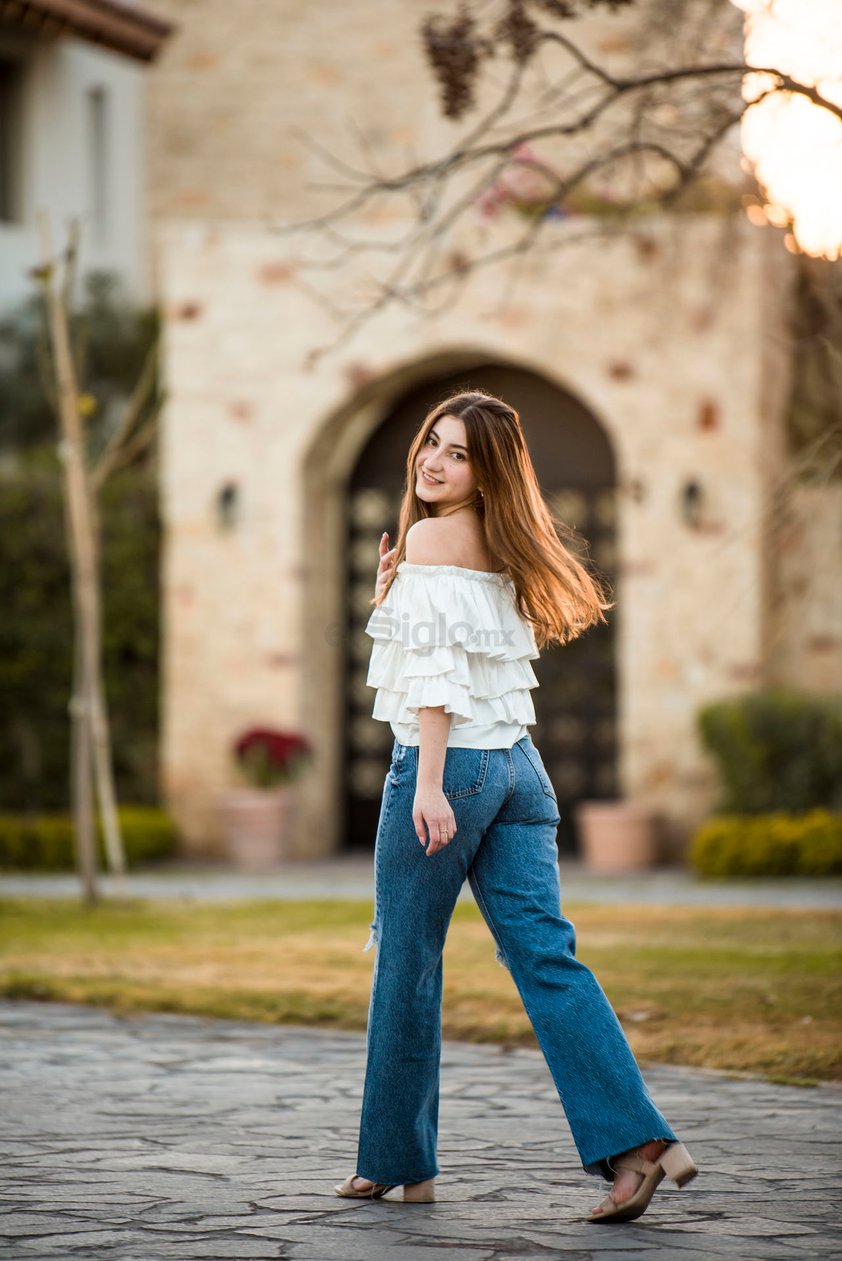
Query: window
[(10, 138), (98, 128)]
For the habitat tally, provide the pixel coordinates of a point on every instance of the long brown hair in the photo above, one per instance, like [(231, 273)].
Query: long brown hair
[(555, 592)]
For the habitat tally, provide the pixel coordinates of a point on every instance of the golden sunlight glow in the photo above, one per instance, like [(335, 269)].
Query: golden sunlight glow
[(794, 146)]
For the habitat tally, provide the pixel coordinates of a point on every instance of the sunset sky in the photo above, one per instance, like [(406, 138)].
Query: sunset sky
[(794, 146)]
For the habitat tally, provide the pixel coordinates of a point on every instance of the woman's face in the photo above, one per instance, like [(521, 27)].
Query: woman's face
[(444, 456)]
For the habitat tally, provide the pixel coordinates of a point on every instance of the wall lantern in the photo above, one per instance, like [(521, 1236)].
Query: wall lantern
[(228, 505), (692, 504)]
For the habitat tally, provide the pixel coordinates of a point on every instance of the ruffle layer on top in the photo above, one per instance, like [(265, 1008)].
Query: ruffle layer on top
[(451, 636)]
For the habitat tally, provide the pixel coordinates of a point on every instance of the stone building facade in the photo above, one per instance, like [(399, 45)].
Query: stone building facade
[(662, 351)]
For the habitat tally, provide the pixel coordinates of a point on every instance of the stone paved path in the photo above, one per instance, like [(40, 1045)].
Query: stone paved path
[(350, 876), (154, 1136)]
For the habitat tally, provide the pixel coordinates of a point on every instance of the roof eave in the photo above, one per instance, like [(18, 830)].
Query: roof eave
[(123, 28)]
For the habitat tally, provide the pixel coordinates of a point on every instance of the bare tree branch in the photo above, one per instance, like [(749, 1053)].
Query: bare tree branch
[(467, 154), (129, 448), (651, 133), (140, 396)]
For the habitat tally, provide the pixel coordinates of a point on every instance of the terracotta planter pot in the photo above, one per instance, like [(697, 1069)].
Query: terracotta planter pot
[(256, 823), (616, 836)]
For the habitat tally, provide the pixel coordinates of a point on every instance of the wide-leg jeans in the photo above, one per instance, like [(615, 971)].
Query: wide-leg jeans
[(506, 817)]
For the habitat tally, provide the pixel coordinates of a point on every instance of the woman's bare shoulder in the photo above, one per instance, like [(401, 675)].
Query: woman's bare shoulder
[(448, 541), (434, 541)]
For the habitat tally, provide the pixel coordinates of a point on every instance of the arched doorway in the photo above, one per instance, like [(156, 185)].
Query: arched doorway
[(575, 704)]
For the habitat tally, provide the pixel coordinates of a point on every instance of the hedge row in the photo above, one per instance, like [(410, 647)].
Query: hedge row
[(779, 844), (45, 842)]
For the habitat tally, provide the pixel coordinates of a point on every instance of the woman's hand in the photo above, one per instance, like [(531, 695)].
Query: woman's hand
[(432, 810), (384, 569)]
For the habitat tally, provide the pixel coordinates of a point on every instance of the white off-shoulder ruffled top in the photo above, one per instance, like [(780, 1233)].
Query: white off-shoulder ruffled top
[(450, 636)]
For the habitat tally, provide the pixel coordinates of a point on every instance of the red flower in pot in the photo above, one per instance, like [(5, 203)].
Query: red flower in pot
[(258, 820), (270, 758)]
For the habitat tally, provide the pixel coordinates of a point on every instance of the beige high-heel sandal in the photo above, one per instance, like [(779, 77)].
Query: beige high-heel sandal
[(413, 1192), (674, 1162)]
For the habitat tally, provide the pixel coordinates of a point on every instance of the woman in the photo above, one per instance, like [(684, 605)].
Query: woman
[(477, 570)]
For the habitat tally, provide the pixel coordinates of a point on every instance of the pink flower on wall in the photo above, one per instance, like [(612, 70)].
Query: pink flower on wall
[(527, 184)]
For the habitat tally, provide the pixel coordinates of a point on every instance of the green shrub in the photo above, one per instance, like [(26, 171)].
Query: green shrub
[(36, 635), (45, 842), (149, 834), (780, 844), (776, 750)]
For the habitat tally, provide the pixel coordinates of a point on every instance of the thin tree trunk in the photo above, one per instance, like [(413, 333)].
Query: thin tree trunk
[(81, 795), (100, 736), (83, 569)]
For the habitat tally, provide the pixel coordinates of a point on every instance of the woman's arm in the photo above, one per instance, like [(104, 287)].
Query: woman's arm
[(431, 809), (434, 725), (428, 543)]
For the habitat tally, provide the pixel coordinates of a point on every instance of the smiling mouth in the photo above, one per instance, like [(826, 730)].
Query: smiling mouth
[(431, 481)]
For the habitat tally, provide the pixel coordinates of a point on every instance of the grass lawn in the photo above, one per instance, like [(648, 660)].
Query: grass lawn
[(743, 990)]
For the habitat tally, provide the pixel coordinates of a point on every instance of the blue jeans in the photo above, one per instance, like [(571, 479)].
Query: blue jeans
[(506, 817)]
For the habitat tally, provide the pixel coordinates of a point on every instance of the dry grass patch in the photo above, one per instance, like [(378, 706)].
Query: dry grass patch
[(743, 990)]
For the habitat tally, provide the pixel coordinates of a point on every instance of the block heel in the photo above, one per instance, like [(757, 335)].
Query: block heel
[(420, 1192), (678, 1164)]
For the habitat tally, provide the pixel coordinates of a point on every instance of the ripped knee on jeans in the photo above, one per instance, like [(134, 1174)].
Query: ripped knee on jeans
[(500, 956), (373, 937)]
